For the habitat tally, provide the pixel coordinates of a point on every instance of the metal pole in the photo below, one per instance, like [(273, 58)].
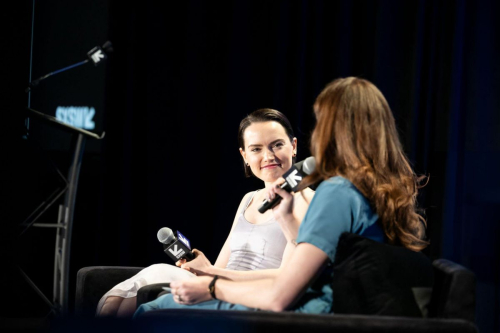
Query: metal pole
[(63, 237)]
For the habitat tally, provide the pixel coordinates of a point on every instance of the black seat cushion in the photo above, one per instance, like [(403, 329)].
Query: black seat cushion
[(380, 279)]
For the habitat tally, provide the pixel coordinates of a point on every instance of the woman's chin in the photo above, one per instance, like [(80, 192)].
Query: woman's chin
[(271, 178)]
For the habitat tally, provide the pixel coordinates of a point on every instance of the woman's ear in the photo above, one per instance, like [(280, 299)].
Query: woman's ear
[(244, 155), (294, 146)]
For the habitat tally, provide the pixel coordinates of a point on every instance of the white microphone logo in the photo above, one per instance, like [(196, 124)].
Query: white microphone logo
[(293, 178), (96, 57)]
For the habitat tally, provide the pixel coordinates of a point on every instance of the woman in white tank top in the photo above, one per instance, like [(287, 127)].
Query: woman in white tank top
[(257, 243)]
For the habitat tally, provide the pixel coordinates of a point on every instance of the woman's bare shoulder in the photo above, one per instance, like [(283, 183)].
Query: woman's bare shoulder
[(247, 197)]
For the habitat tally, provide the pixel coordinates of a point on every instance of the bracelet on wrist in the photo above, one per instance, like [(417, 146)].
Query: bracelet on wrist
[(211, 287)]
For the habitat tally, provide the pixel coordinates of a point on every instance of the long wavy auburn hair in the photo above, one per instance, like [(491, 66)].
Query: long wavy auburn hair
[(356, 137)]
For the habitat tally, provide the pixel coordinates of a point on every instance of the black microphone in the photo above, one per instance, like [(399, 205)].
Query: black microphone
[(293, 177), (96, 56), (175, 248)]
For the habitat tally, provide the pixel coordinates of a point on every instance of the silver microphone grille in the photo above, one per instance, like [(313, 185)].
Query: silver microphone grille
[(309, 165), (165, 235)]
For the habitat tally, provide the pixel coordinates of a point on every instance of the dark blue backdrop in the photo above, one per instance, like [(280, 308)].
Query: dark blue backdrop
[(184, 74)]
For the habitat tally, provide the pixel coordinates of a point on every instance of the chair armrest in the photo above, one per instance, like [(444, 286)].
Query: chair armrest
[(94, 281), (150, 292), (193, 320), (453, 295)]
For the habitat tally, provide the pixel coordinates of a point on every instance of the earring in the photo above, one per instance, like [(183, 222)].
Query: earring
[(247, 164)]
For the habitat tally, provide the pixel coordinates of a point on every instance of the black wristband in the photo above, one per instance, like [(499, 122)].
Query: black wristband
[(211, 287)]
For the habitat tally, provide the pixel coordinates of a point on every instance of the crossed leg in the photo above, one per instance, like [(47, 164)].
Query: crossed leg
[(116, 306)]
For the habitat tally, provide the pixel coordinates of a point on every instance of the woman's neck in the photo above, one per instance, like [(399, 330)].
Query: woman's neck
[(268, 185)]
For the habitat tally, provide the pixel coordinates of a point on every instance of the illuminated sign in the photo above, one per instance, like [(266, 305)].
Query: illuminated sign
[(77, 116)]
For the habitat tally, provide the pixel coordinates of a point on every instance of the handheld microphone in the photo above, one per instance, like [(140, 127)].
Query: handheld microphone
[(307, 166), (175, 248), (293, 177)]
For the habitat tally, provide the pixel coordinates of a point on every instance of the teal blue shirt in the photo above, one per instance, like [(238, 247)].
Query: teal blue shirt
[(337, 207)]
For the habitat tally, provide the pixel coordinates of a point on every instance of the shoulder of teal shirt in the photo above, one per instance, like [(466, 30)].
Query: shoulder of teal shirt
[(336, 207)]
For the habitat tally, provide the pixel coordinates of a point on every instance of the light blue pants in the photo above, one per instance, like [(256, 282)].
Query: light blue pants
[(167, 302)]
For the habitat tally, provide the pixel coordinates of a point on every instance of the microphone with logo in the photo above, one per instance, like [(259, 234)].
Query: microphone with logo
[(96, 56), (175, 247), (293, 177)]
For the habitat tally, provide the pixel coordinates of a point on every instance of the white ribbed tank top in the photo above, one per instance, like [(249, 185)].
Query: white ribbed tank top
[(255, 246)]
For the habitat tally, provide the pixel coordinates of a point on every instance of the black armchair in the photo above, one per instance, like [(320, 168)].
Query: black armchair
[(377, 288)]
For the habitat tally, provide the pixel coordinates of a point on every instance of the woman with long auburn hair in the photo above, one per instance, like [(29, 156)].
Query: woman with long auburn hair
[(367, 188), (355, 137)]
